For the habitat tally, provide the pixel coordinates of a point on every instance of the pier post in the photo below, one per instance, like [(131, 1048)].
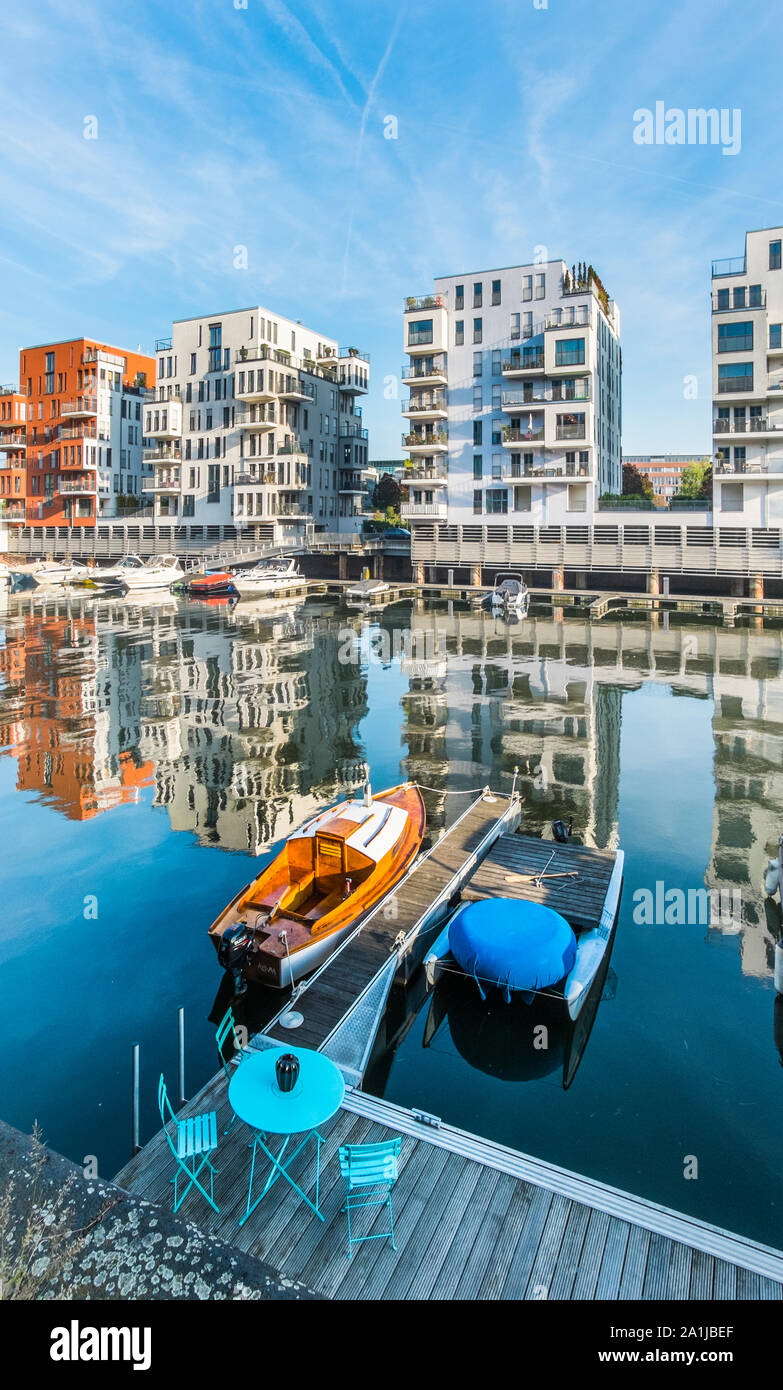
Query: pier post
[(418, 572), (342, 565), (558, 579), (377, 566), (475, 576), (757, 587), (135, 1098), (654, 581)]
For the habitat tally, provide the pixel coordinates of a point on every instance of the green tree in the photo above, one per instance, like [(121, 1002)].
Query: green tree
[(636, 484), (387, 493), (696, 480)]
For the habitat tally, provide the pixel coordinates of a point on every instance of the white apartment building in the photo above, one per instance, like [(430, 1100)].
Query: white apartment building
[(515, 399), (255, 423), (747, 355)]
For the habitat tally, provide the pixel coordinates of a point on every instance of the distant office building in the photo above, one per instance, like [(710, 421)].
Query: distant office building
[(747, 352), (664, 471), (255, 422)]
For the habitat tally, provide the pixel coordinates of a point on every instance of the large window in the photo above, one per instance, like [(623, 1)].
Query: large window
[(459, 332), (497, 501), (731, 497), (495, 291), (459, 297), (478, 466), (774, 255), (215, 353), (735, 376), (420, 332), (521, 499), (570, 426), (577, 497), (477, 295), (735, 337), (477, 331), (774, 335), (569, 352)]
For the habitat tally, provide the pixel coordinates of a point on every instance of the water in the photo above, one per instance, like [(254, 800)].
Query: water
[(153, 755)]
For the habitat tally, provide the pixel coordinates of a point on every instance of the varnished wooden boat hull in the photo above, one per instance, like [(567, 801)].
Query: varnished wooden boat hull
[(311, 938)]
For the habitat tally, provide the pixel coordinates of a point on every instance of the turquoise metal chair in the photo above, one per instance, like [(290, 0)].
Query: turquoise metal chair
[(196, 1138), (227, 1030), (368, 1167)]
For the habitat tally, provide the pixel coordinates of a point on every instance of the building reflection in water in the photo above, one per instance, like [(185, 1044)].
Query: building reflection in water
[(242, 721)]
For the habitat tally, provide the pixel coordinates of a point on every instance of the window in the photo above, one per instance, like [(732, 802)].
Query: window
[(570, 426), (478, 399), (192, 373), (459, 332), (522, 499), (754, 297), (497, 397), (738, 297), (420, 332), (495, 291), (774, 255), (739, 459), (577, 497), (540, 286), (497, 501), (477, 294), (514, 325), (723, 299), (569, 352), (527, 324), (49, 379), (477, 330), (477, 502), (213, 482), (735, 376), (735, 337), (731, 496), (188, 505), (459, 297), (477, 432), (478, 465), (774, 335), (527, 287)]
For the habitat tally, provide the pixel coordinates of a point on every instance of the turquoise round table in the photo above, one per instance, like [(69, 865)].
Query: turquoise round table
[(256, 1098)]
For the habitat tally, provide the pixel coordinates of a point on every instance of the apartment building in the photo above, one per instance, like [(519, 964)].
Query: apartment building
[(82, 431), (747, 355), (515, 398), (255, 422), (664, 471), (13, 455)]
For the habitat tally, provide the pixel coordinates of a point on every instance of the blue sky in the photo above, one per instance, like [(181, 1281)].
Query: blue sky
[(264, 127)]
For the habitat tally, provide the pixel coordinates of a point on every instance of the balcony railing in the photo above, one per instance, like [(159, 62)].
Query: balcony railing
[(751, 426), (87, 431), (519, 399), (425, 405), (424, 301), (255, 479), (735, 265), (172, 455), (292, 386), (528, 436), (80, 405), (728, 384), (430, 439), (570, 432), (756, 301), (292, 447), (353, 432), (92, 355), (517, 360), (73, 489), (163, 344), (13, 441), (422, 339), (416, 371)]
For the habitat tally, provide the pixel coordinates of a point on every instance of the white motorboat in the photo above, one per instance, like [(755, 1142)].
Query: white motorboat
[(267, 578), (510, 595), (60, 572), (115, 576), (158, 573)]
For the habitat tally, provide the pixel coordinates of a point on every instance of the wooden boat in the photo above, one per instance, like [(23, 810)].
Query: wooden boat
[(329, 875)]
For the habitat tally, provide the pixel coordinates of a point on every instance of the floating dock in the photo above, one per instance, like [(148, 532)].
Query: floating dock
[(472, 1219)]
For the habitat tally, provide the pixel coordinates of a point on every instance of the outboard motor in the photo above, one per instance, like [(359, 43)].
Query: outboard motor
[(235, 946), (561, 831)]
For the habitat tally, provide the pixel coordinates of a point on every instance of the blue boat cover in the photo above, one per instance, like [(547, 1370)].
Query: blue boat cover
[(514, 944)]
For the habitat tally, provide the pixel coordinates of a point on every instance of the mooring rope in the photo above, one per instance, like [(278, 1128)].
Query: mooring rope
[(456, 791)]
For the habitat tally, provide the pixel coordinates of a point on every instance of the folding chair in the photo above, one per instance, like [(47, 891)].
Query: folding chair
[(196, 1138), (365, 1167)]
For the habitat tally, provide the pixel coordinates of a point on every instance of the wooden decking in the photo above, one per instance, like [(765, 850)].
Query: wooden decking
[(580, 899), (473, 1220), (334, 990)]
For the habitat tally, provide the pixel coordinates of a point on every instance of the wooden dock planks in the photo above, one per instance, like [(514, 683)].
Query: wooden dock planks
[(466, 1228), (580, 899), (329, 995)]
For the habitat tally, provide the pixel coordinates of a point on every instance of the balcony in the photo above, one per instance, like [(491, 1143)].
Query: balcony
[(557, 394), (735, 265), (353, 371), (162, 482), (163, 344), (426, 442), (80, 406), (11, 442), (255, 479), (576, 432), (757, 302), (433, 475), (519, 438), (351, 485), (292, 389), (428, 372), (353, 432), (12, 511), (730, 385), (79, 465), (520, 362), (257, 419), (160, 395), (111, 359), (414, 303), (433, 407), (164, 421), (79, 487), (254, 384), (754, 425), (294, 512), (437, 510), (292, 447), (170, 454), (88, 431)]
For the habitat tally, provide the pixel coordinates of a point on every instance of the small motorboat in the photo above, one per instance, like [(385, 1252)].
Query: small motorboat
[(158, 573), (327, 877), (525, 947), (268, 578), (510, 595), (209, 584), (367, 593), (60, 572), (114, 576)]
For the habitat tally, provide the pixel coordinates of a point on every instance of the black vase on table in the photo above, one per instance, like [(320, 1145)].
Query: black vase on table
[(287, 1070)]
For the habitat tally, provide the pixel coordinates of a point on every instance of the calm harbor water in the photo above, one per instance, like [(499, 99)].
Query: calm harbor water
[(154, 754)]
